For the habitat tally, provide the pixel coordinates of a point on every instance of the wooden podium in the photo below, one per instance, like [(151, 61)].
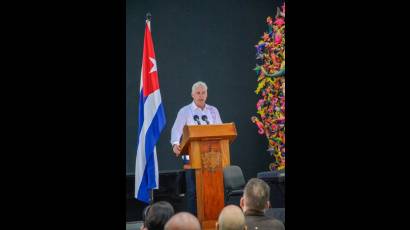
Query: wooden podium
[(208, 150)]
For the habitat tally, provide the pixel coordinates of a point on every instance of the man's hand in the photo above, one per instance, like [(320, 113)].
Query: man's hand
[(177, 149)]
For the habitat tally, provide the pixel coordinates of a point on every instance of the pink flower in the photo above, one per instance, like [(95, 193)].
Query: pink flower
[(260, 103), (273, 127), (278, 39), (279, 22), (259, 124)]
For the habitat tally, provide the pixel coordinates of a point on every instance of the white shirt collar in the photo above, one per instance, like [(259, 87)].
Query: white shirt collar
[(195, 107)]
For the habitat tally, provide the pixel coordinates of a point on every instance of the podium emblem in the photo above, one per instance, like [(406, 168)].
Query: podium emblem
[(211, 161)]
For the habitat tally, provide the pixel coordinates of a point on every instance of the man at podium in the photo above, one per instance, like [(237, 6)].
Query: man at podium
[(195, 113)]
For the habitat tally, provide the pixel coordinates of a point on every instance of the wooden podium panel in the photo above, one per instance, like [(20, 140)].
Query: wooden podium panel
[(208, 149)]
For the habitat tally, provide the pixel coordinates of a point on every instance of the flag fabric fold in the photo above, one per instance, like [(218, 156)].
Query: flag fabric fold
[(151, 122)]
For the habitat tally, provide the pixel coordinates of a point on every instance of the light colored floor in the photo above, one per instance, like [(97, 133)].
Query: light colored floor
[(135, 225)]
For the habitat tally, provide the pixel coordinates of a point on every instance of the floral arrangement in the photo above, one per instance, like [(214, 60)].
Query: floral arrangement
[(270, 69)]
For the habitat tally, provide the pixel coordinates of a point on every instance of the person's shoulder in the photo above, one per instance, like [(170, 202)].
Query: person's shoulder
[(185, 108), (275, 223), (211, 107), (264, 222)]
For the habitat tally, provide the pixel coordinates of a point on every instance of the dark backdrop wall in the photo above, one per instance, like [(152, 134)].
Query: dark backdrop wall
[(212, 41)]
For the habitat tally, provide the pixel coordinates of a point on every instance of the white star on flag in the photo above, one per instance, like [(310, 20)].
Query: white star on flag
[(154, 63)]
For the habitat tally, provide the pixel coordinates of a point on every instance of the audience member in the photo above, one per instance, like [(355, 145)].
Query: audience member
[(183, 221), (231, 218), (155, 216), (254, 203)]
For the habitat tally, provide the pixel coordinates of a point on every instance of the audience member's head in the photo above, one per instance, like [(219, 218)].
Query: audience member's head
[(231, 218), (255, 195), (156, 215), (183, 221)]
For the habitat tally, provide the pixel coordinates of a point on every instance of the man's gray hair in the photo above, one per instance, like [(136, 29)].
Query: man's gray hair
[(257, 194), (197, 84)]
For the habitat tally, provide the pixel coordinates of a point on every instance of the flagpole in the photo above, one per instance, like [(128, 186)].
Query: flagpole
[(151, 193)]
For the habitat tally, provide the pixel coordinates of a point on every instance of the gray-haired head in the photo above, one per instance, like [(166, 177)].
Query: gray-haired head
[(256, 194), (197, 84)]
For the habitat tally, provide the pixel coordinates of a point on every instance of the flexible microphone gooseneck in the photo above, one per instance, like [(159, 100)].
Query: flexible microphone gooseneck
[(196, 118), (205, 118)]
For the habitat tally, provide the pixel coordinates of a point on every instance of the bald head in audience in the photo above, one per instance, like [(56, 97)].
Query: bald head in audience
[(183, 221), (231, 218)]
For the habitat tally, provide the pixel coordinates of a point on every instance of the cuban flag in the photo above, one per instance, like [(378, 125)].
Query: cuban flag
[(150, 123)]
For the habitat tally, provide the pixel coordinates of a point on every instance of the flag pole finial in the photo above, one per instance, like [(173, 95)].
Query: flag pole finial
[(148, 16)]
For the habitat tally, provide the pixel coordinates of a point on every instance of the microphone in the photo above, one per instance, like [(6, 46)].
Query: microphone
[(196, 118), (205, 118)]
